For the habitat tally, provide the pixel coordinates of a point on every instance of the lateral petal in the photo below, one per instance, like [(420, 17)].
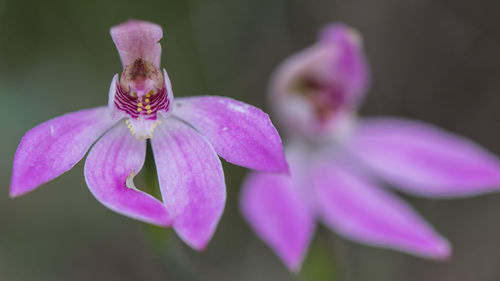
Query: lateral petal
[(54, 147), (277, 213), (109, 171), (240, 133), (422, 159), (359, 210), (191, 181)]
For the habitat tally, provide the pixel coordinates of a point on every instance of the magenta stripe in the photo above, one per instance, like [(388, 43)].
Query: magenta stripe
[(129, 104)]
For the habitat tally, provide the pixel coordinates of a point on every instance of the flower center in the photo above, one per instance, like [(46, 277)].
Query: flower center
[(145, 107), (326, 98), (141, 93)]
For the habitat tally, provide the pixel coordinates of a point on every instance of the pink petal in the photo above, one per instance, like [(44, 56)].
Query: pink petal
[(275, 210), (138, 39), (350, 69), (110, 169), (54, 147), (364, 212), (191, 181), (314, 92), (240, 133), (425, 160)]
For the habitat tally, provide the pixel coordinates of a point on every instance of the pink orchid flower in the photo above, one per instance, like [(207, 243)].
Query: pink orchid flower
[(186, 137), (337, 161)]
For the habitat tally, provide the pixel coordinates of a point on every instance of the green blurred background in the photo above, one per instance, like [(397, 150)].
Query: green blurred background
[(434, 60)]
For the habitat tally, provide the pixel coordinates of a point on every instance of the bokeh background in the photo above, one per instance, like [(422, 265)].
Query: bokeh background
[(434, 60)]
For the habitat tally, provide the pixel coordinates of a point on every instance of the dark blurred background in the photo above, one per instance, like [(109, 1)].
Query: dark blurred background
[(436, 61)]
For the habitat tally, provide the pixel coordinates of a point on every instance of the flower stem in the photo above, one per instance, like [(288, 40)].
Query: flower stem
[(162, 239), (320, 263)]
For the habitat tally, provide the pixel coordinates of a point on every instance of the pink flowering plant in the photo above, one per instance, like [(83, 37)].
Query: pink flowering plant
[(186, 136), (339, 162)]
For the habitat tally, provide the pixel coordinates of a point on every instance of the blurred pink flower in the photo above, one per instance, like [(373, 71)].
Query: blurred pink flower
[(336, 161), (188, 135)]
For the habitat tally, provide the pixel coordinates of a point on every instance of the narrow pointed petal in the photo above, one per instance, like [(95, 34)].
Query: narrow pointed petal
[(364, 212), (138, 39), (240, 133), (109, 171), (191, 181), (276, 212), (54, 147), (422, 159)]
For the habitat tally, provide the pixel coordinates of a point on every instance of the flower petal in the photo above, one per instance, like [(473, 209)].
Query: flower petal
[(240, 133), (109, 171), (424, 160), (191, 181), (275, 210), (364, 212), (54, 147), (138, 39), (350, 69), (314, 92)]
